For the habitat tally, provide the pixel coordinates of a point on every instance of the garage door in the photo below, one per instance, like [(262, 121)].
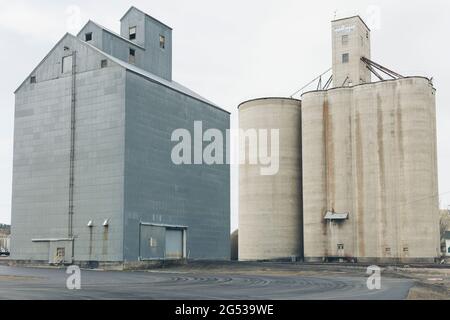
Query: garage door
[(174, 244)]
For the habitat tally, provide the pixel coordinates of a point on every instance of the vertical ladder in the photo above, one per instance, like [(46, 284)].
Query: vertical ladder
[(72, 145)]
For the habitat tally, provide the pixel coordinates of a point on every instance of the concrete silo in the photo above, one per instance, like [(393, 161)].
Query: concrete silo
[(369, 171), (270, 206)]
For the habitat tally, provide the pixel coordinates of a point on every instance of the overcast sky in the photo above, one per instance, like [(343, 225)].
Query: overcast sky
[(230, 51)]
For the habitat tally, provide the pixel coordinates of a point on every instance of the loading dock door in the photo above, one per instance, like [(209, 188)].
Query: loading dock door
[(174, 244), (152, 242)]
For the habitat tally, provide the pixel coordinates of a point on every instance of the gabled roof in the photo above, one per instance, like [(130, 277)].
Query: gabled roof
[(147, 15), (132, 68), (110, 32), (42, 61), (152, 77)]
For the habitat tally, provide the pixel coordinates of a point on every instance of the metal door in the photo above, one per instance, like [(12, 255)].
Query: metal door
[(174, 244), (152, 242)]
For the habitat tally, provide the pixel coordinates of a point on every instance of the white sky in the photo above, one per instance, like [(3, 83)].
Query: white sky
[(234, 50)]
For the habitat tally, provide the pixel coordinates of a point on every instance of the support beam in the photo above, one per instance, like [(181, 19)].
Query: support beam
[(381, 68), (374, 72), (327, 84)]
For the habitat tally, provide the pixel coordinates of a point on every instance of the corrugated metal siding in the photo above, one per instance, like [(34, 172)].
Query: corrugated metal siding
[(158, 191)]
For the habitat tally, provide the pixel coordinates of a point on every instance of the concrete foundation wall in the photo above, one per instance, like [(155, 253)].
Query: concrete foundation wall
[(270, 207), (370, 150)]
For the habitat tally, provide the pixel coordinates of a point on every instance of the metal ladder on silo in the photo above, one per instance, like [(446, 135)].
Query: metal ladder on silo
[(72, 145)]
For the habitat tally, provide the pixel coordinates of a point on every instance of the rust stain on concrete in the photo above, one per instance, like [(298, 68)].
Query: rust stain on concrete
[(360, 184), (326, 137), (105, 241), (382, 172)]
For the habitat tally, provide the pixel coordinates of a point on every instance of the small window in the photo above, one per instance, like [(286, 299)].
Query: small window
[(88, 36), (448, 250), (132, 57), (345, 39), (60, 253), (367, 34), (67, 64), (162, 42), (345, 58), (387, 250), (405, 249), (33, 79), (132, 33), (104, 63), (340, 246)]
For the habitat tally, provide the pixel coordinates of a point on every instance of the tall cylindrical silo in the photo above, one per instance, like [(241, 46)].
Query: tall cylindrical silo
[(369, 152), (270, 205)]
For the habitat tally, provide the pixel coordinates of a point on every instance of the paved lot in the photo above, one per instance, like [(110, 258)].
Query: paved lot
[(40, 283)]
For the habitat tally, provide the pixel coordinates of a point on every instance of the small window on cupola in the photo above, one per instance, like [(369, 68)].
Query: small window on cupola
[(345, 39), (132, 33)]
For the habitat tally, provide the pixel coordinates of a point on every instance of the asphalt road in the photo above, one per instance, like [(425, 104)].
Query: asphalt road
[(43, 284)]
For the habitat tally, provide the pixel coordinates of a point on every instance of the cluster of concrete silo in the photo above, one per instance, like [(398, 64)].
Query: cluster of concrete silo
[(357, 177), (370, 152)]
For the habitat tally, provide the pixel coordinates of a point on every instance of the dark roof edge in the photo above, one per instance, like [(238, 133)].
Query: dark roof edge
[(147, 15), (42, 61), (124, 64), (269, 98), (111, 33), (366, 84), (173, 89), (357, 16)]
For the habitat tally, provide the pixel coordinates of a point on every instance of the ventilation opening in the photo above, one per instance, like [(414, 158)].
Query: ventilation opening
[(132, 35), (345, 58), (132, 56), (345, 39), (88, 36)]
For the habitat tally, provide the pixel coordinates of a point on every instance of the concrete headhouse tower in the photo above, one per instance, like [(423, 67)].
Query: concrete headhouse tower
[(93, 178), (350, 42)]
